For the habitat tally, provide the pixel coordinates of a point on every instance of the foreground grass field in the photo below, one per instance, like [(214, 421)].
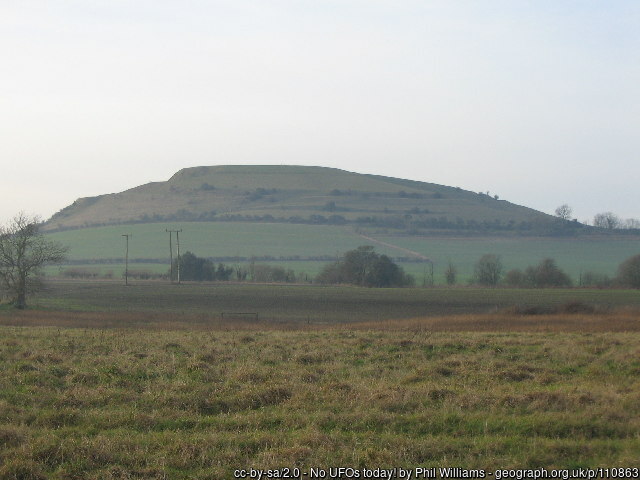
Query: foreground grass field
[(205, 400), (150, 381)]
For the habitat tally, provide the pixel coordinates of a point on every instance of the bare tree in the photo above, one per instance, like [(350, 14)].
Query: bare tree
[(564, 212), (23, 253), (488, 270), (608, 220), (450, 274), (632, 223)]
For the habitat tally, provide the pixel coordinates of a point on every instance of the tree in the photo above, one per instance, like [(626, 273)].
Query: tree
[(450, 274), (629, 272), (201, 269), (516, 278), (632, 223), (564, 212), (608, 220), (385, 273), (488, 270), (194, 268), (23, 253), (357, 264), (547, 274), (364, 267)]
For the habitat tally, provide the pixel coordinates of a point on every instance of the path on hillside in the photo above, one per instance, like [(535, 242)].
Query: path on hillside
[(396, 247)]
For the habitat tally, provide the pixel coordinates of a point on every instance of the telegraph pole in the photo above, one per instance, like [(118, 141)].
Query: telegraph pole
[(170, 256), (171, 253), (178, 242), (126, 258)]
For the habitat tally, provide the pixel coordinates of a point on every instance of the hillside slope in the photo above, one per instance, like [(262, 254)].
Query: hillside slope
[(298, 194)]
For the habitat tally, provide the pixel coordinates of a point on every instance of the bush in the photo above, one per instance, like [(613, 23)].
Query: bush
[(593, 279), (629, 272), (515, 278), (263, 273), (576, 306), (143, 274), (79, 273), (571, 307), (545, 274)]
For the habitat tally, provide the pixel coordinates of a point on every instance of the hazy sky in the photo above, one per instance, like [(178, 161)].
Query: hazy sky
[(536, 101)]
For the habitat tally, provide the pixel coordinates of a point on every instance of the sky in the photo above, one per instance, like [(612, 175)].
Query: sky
[(535, 101)]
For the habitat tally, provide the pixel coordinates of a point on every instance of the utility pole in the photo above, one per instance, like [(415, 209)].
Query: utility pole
[(126, 258), (424, 280), (170, 256), (178, 242), (171, 253), (431, 268)]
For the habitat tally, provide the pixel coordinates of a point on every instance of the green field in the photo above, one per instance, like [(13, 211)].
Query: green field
[(601, 254), (209, 239)]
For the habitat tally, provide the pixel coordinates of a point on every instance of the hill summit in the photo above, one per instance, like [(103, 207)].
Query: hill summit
[(300, 194)]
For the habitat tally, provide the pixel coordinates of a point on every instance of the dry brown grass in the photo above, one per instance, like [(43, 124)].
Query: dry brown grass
[(159, 402), (619, 320)]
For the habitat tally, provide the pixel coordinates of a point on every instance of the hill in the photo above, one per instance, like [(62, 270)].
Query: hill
[(312, 195)]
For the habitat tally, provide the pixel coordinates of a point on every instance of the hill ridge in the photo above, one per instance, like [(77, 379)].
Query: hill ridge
[(302, 194)]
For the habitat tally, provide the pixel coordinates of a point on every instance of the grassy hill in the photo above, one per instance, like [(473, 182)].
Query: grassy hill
[(297, 194), (303, 216)]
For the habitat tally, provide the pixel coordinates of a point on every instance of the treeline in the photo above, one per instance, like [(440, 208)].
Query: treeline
[(406, 222), (489, 271), (194, 268), (231, 258), (365, 267), (413, 221), (362, 267)]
